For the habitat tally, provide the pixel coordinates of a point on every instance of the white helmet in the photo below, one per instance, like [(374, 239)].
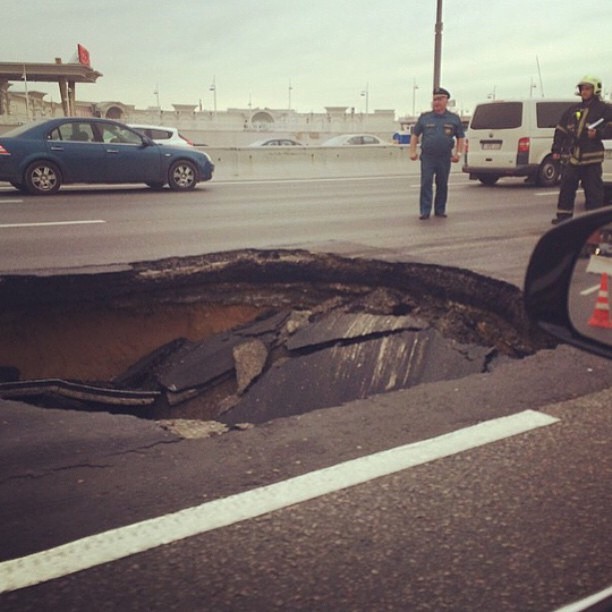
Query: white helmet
[(593, 81)]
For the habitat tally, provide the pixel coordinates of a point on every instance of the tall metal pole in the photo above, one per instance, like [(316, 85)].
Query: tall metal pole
[(438, 45), (213, 88)]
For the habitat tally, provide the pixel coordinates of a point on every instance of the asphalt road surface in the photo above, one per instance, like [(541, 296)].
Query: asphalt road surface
[(489, 230), (489, 492)]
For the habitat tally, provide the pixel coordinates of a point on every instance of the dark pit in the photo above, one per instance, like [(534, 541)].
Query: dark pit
[(249, 336)]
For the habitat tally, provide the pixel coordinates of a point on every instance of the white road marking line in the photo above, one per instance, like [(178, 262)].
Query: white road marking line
[(587, 602), (49, 223), (3, 201), (122, 542), (590, 290), (553, 193)]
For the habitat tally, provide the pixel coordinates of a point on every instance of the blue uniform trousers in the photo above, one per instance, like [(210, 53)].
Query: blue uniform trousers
[(439, 167)]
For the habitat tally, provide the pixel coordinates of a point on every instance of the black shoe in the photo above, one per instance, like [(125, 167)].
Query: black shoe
[(423, 217), (443, 215)]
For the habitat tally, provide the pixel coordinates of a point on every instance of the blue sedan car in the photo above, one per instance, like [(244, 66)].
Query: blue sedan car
[(39, 157)]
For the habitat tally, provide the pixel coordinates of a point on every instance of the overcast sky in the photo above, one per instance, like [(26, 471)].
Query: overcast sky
[(328, 51)]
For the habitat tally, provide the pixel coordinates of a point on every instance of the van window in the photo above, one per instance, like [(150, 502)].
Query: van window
[(497, 116), (549, 113)]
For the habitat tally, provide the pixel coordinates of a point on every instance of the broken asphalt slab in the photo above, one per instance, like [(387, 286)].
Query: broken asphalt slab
[(319, 316)]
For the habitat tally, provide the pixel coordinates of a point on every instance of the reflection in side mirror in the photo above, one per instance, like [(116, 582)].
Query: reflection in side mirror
[(589, 295), (569, 282)]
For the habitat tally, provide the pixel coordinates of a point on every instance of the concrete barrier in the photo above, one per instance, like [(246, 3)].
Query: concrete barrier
[(309, 162)]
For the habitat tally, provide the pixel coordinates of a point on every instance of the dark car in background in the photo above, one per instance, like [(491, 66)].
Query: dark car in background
[(40, 157)]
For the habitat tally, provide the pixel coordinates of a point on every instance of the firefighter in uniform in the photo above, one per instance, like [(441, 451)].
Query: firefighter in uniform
[(577, 144)]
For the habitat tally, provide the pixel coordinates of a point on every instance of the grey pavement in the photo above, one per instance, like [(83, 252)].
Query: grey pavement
[(43, 452)]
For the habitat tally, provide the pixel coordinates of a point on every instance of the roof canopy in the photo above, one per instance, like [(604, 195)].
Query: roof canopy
[(65, 75), (77, 73)]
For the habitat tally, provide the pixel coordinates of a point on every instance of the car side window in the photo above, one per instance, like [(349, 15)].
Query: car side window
[(115, 134), (73, 132), (159, 134)]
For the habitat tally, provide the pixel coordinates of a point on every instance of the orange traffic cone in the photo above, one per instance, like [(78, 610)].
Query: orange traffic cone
[(601, 314)]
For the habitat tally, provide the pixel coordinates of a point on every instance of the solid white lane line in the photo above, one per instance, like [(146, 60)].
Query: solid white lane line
[(587, 602), (122, 542), (590, 290), (553, 193), (50, 223)]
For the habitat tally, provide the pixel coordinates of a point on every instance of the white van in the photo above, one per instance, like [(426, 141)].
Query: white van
[(514, 138)]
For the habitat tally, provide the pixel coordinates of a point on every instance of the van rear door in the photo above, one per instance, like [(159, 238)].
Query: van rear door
[(493, 136)]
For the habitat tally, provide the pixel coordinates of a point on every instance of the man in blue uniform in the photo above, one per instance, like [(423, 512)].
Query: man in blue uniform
[(442, 138)]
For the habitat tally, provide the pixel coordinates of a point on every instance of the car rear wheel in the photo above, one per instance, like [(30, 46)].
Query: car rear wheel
[(488, 179), (182, 176), (42, 178), (549, 172)]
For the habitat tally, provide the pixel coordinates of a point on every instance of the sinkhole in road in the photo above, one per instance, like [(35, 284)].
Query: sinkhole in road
[(251, 335)]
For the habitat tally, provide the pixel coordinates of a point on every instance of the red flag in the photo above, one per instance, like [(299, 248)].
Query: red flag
[(83, 54)]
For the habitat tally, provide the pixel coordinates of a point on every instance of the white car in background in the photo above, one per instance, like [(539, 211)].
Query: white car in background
[(162, 134), (353, 139), (276, 142)]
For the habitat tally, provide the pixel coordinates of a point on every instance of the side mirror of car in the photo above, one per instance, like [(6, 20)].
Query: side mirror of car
[(568, 282)]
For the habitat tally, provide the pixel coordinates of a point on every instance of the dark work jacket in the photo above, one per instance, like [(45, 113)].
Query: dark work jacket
[(571, 138)]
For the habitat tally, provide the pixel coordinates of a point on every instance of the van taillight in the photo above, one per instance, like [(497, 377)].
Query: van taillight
[(523, 145), (466, 145)]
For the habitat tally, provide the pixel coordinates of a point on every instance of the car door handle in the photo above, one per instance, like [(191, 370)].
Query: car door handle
[(57, 148), (115, 151)]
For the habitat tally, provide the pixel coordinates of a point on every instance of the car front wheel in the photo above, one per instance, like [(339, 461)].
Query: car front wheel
[(42, 178), (182, 176)]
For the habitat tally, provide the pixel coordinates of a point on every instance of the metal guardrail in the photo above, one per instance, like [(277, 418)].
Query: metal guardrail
[(309, 162)]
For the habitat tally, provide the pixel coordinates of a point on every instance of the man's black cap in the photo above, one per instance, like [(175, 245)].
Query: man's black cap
[(440, 91)]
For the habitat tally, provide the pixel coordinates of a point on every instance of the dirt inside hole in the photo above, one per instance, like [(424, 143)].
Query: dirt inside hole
[(101, 341)]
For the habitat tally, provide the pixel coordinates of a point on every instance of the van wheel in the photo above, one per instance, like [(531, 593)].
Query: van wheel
[(488, 179), (549, 172)]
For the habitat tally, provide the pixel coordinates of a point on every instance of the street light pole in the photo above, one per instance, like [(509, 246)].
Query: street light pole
[(438, 45), (213, 88), (366, 94)]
